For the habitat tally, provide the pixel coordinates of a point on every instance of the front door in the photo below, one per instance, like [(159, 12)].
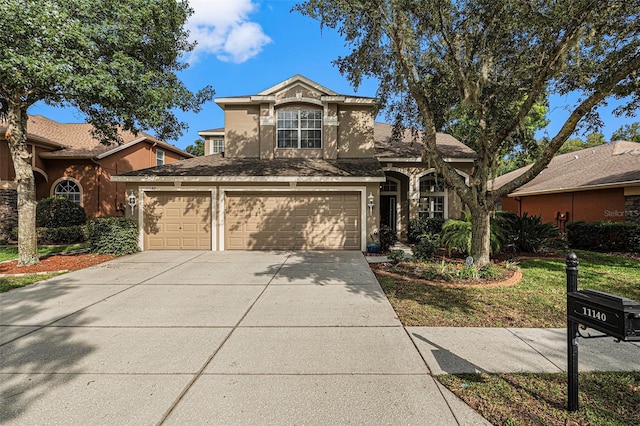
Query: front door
[(388, 211)]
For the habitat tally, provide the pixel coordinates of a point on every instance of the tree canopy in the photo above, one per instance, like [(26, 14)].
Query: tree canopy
[(491, 61), (628, 132), (116, 61), (196, 148)]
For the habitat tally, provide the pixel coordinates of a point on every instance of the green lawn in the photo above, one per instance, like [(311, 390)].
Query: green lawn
[(537, 301), (11, 252), (541, 399), (9, 283)]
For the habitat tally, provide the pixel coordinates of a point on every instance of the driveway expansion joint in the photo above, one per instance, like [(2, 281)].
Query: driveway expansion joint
[(220, 346)]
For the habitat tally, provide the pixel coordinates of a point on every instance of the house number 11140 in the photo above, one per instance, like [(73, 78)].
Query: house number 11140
[(592, 313)]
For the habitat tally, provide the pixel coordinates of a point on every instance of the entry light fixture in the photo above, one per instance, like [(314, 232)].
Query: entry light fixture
[(370, 198), (132, 201)]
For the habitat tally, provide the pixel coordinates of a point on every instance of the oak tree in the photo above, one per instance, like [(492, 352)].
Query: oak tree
[(493, 60), (116, 61)]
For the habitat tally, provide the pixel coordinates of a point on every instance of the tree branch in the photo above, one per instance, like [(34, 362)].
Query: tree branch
[(569, 127)]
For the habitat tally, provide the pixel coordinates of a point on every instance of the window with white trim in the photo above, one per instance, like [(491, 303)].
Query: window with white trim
[(432, 196), (217, 145), (159, 157), (69, 190), (299, 128)]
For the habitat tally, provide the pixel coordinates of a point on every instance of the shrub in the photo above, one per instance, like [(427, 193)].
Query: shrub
[(59, 212), (490, 271), (61, 235), (426, 247), (423, 226), (604, 236), (525, 233), (387, 237), (396, 256), (456, 235), (113, 235)]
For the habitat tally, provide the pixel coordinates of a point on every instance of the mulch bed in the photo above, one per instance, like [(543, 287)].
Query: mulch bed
[(509, 278), (55, 263)]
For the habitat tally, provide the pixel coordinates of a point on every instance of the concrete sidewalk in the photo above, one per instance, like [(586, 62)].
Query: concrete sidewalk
[(454, 350), (245, 338)]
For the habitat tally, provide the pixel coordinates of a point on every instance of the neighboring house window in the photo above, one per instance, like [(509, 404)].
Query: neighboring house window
[(432, 196), (299, 129), (159, 157), (68, 189), (217, 145)]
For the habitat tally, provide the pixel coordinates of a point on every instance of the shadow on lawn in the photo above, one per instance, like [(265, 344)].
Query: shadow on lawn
[(443, 298)]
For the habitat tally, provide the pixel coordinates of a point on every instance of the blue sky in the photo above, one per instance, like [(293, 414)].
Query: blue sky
[(246, 46)]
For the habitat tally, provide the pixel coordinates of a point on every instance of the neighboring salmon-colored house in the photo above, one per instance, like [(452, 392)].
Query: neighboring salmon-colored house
[(594, 184), (69, 161)]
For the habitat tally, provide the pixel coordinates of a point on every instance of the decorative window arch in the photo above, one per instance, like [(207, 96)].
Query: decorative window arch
[(68, 188)]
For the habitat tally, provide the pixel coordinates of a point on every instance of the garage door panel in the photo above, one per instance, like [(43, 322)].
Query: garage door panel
[(170, 227), (190, 227), (292, 221), (174, 221)]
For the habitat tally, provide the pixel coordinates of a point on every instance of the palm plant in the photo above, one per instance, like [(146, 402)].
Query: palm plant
[(456, 235), (526, 233)]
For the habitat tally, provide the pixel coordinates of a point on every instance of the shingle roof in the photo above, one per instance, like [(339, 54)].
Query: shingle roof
[(218, 166), (611, 164), (385, 147), (76, 141)]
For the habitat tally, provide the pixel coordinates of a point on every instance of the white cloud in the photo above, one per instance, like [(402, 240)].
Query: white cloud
[(223, 28)]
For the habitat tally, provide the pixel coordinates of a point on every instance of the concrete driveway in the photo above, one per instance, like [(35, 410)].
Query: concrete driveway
[(215, 338)]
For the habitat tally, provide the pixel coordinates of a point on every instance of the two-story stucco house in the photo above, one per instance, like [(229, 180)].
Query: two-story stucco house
[(296, 166)]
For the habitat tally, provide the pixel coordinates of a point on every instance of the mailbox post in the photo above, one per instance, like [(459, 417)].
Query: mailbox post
[(572, 335), (612, 315)]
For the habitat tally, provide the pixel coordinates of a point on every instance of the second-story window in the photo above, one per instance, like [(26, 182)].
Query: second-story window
[(299, 129), (159, 157), (217, 145)]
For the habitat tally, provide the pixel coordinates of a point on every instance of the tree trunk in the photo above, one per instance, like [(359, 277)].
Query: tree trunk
[(16, 136), (480, 236)]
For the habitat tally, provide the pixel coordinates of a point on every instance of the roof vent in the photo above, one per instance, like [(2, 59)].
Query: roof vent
[(575, 157)]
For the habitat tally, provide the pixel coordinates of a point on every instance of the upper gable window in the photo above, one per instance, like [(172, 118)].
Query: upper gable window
[(159, 157), (217, 145), (299, 128)]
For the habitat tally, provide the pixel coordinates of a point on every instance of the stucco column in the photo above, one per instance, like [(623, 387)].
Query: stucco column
[(267, 131), (330, 132)]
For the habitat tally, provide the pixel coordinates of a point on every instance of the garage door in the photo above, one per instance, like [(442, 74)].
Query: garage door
[(175, 221), (292, 221)]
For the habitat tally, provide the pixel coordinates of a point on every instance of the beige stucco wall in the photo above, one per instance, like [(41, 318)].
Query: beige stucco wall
[(347, 130), (242, 131), (355, 132)]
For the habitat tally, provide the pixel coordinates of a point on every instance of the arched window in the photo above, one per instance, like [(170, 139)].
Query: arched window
[(432, 197), (68, 189)]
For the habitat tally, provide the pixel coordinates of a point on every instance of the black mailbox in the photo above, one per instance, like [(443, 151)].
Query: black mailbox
[(616, 316)]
